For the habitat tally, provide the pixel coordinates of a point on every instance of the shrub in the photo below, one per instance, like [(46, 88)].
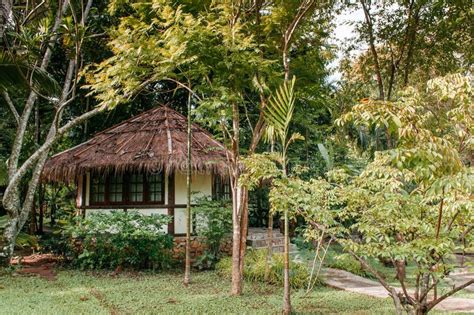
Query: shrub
[(255, 269), (348, 263), (125, 239), (214, 222)]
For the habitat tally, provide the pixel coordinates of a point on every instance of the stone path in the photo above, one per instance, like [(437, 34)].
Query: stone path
[(347, 281), (462, 277)]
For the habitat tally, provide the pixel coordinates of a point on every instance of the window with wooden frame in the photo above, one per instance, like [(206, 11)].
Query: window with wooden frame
[(115, 185), (127, 189), (221, 188), (136, 188), (156, 188), (97, 189)]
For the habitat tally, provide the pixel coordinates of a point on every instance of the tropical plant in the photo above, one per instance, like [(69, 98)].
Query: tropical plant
[(214, 223), (278, 115), (255, 269), (413, 204)]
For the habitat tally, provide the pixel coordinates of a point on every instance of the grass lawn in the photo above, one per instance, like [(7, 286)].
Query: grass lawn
[(76, 292)]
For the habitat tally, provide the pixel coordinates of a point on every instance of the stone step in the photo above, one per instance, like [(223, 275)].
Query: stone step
[(264, 242), (257, 237), (262, 233), (280, 249)]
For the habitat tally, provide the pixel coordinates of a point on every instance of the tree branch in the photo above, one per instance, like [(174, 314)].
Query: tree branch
[(11, 106), (445, 296), (23, 122)]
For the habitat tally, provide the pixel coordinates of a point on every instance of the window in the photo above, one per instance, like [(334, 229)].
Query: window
[(98, 189), (136, 188), (116, 188), (156, 187), (221, 188)]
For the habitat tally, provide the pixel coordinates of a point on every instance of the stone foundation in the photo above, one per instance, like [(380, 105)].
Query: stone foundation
[(198, 246)]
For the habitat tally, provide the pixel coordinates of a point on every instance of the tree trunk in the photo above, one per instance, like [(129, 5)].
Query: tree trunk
[(237, 277), (5, 16), (286, 273), (378, 74), (187, 268), (237, 198), (244, 224), (8, 244), (269, 245), (41, 209)]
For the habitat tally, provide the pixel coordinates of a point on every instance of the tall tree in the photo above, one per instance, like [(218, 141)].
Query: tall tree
[(60, 21), (222, 49), (410, 42), (278, 114)]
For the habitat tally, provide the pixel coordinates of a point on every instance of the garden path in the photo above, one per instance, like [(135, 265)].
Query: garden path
[(347, 281)]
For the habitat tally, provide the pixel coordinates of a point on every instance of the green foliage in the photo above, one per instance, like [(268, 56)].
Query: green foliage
[(278, 115), (260, 167), (414, 203), (279, 111), (16, 73), (125, 239), (348, 263), (254, 269), (214, 223)]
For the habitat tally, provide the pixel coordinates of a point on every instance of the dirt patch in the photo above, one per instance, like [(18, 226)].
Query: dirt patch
[(35, 260), (41, 265), (103, 301), (45, 271)]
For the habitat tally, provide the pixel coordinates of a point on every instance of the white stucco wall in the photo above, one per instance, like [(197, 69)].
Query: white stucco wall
[(201, 185)]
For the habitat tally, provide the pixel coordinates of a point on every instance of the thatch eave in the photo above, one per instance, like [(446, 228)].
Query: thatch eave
[(155, 140)]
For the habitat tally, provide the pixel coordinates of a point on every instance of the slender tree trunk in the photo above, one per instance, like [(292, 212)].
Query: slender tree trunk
[(286, 271), (411, 45), (286, 274), (368, 20), (237, 277), (269, 245), (243, 227), (5, 16), (41, 208), (187, 268), (270, 228)]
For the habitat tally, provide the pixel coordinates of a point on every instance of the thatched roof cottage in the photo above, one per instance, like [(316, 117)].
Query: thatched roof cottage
[(140, 164)]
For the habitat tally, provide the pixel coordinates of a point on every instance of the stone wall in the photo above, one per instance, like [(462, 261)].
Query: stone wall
[(198, 246)]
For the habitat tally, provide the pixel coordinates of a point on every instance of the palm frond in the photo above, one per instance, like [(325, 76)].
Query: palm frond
[(279, 111), (17, 74), (325, 154)]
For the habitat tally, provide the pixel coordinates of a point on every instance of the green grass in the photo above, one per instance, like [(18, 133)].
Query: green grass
[(76, 292)]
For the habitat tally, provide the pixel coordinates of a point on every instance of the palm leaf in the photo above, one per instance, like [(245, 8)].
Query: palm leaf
[(325, 154), (15, 74), (279, 110)]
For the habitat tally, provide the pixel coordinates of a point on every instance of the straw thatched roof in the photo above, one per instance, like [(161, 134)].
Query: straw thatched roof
[(154, 140)]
